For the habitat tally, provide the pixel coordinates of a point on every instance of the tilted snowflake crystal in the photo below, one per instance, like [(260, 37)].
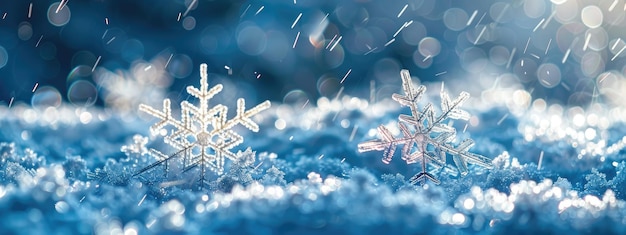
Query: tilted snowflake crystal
[(203, 135), (425, 136)]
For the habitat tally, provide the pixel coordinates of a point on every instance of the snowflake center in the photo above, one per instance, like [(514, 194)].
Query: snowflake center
[(203, 139)]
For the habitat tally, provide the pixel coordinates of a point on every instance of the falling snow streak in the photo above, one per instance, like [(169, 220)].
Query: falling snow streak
[(259, 11), (406, 24), (245, 11), (324, 19), (336, 42), (142, 199), (506, 7), (469, 22), (539, 24), (61, 5), (168, 60), (296, 21), (338, 95), (502, 119), (618, 53), (540, 160), (615, 44), (548, 20), (565, 86), (587, 39), (353, 133), (345, 76), (96, 64), (508, 63), (331, 41), (566, 55), (526, 47), (110, 40), (372, 91), (39, 41), (370, 50), (402, 11), (390, 41), (296, 40), (480, 20), (191, 5), (613, 5), (480, 34)]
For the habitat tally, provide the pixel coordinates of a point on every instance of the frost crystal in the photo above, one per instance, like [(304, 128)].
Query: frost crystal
[(203, 134), (425, 136)]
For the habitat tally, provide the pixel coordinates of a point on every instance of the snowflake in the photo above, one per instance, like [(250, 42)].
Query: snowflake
[(203, 135), (429, 134)]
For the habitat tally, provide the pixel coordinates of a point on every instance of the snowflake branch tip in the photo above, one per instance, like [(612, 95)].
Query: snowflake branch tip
[(426, 136)]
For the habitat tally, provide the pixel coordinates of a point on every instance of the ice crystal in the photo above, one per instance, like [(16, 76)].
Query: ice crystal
[(203, 135), (425, 136)]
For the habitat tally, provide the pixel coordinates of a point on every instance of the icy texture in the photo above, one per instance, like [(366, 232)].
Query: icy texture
[(287, 187), (203, 136), (425, 136)]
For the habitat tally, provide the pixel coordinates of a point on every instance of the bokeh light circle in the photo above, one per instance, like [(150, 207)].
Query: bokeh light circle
[(132, 50), (455, 19), (598, 38), (180, 66), (549, 75), (24, 31), (591, 64), (592, 16), (251, 40), (566, 11), (499, 55), (413, 33), (386, 70), (60, 18), (278, 46), (82, 93), (4, 57), (79, 72), (295, 97), (525, 69), (328, 85), (46, 96), (473, 59), (534, 8), (48, 51), (429, 47), (189, 23)]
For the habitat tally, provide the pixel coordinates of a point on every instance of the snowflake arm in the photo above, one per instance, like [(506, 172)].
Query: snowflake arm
[(165, 116), (388, 143)]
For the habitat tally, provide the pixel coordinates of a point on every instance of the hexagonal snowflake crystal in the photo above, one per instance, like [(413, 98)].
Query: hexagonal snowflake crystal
[(203, 134), (425, 136)]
